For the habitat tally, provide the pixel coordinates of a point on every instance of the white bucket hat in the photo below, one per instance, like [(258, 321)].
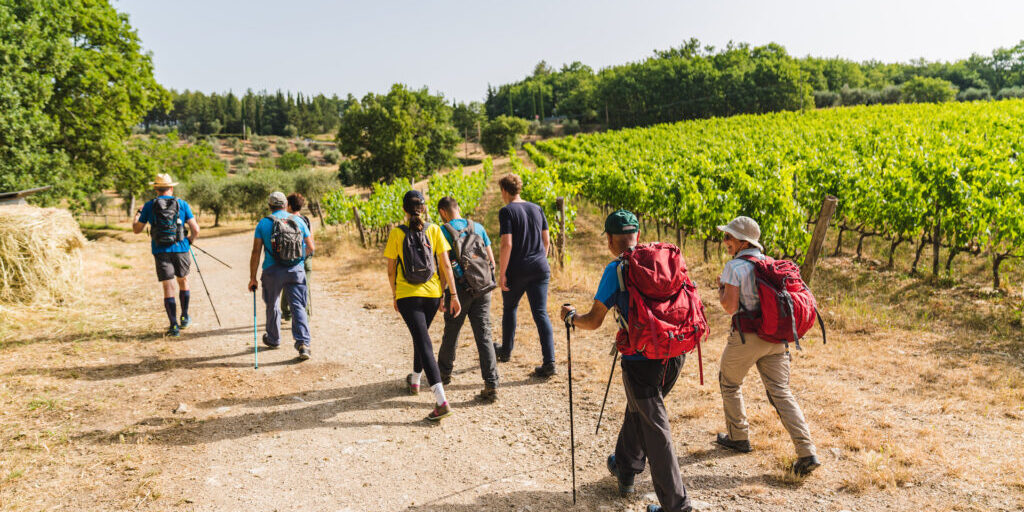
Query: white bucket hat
[(744, 228)]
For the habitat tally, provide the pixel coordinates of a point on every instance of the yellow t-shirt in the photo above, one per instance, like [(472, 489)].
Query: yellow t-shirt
[(430, 289)]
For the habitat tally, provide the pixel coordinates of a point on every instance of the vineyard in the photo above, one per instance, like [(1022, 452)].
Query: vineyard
[(943, 176)]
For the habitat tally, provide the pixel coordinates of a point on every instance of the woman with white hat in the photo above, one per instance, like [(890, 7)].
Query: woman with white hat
[(737, 292)]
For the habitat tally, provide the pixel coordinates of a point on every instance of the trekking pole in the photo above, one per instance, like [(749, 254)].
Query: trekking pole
[(608, 387), (207, 288), (255, 346), (569, 327), (210, 255)]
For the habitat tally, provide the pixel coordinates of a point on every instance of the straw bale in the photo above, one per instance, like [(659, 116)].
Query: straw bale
[(40, 255)]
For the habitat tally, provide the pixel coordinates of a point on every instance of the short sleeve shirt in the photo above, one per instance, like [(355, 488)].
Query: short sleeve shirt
[(526, 223), (740, 273), (184, 215), (265, 229), (432, 288), (609, 294), (459, 225)]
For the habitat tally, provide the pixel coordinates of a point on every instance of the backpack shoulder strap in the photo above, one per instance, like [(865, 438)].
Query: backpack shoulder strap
[(620, 271), (404, 228)]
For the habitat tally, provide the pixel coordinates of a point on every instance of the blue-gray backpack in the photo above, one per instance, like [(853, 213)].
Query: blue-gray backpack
[(471, 255), (417, 259), (165, 223), (286, 241)]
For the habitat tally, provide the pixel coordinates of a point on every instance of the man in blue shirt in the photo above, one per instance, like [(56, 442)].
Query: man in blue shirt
[(477, 308), (645, 435), (277, 276), (169, 245)]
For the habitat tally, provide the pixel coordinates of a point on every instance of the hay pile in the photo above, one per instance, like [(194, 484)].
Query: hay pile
[(40, 257)]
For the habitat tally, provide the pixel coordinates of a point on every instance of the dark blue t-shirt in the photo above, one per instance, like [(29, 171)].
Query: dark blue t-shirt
[(184, 214), (525, 221), (609, 294)]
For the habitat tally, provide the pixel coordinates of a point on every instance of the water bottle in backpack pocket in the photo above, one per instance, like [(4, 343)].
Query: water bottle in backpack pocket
[(417, 260), (286, 241)]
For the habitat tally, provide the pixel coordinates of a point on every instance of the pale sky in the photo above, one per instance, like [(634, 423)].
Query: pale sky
[(458, 47)]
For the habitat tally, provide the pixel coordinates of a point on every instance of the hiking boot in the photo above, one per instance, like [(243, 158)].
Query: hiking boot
[(303, 353), (805, 465), (173, 332), (545, 371), (185, 321), (625, 480), (501, 355), (414, 389), (740, 446), (267, 344), (488, 395), (446, 378), (439, 412)]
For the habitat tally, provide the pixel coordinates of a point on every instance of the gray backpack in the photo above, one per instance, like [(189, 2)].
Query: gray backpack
[(471, 254), (286, 241), (417, 259)]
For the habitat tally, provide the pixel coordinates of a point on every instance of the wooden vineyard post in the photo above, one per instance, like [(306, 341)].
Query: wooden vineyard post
[(359, 225), (560, 204), (828, 208)]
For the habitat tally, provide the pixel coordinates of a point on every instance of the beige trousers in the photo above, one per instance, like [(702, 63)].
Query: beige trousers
[(773, 364)]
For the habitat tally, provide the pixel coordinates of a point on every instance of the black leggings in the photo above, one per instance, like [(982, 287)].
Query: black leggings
[(418, 312)]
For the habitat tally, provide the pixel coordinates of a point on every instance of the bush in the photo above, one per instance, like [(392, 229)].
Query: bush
[(1007, 93), (291, 161), (281, 147), (318, 146), (238, 160), (303, 148), (236, 144), (974, 94), (347, 173), (260, 144), (332, 157), (314, 184), (571, 127), (533, 127), (265, 153), (502, 133), (890, 95), (546, 130), (290, 130), (825, 99), (249, 193), (928, 90), (859, 96)]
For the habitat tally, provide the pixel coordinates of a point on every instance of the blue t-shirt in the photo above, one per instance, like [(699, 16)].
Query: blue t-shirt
[(265, 229), (184, 215), (609, 294), (459, 225)]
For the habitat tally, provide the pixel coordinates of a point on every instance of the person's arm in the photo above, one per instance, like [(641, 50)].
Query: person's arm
[(393, 281), (310, 246), (193, 230), (449, 277), (254, 262), (137, 224), (505, 255), (545, 237), (590, 321), (490, 257), (729, 297)]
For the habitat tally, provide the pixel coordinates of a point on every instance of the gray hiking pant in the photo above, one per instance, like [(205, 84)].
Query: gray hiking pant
[(291, 280), (645, 433), (478, 309)]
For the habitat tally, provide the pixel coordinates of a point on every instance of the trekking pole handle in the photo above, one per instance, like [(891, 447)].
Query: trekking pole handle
[(570, 317)]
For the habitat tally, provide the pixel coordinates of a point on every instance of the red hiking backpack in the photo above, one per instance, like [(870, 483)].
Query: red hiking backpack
[(666, 317), (788, 308)]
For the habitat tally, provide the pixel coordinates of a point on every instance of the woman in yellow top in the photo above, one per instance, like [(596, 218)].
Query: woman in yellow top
[(418, 301)]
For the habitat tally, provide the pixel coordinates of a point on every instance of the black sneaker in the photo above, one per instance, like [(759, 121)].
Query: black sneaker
[(625, 480), (446, 378), (267, 344), (740, 446), (545, 371), (185, 321), (173, 332), (503, 357), (805, 465), (304, 353)]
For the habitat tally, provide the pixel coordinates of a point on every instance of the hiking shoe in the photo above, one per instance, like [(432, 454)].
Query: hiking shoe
[(446, 378), (303, 353), (545, 371), (173, 332), (414, 389), (439, 412), (625, 480), (286, 316), (740, 446), (805, 465), (267, 344), (185, 321), (503, 357), (488, 395)]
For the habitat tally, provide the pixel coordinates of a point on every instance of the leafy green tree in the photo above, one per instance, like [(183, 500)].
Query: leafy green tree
[(207, 192), (928, 90), (502, 133), (468, 118), (403, 134), (73, 81), (291, 161)]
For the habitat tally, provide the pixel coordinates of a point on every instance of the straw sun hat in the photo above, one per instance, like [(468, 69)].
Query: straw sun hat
[(163, 181)]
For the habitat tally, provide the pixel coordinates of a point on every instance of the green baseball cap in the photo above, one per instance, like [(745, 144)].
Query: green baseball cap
[(621, 222)]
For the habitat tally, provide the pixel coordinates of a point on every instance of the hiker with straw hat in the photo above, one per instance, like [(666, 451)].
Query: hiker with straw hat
[(167, 217), (738, 293)]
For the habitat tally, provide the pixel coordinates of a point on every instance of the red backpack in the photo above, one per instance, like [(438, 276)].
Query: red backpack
[(666, 317), (788, 308)]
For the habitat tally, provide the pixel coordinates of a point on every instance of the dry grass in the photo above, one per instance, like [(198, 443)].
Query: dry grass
[(40, 261)]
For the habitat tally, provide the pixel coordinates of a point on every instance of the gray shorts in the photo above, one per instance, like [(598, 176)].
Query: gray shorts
[(171, 264)]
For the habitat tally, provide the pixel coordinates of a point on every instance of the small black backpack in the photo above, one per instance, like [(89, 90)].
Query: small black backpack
[(166, 228), (417, 260), (471, 254), (286, 241)]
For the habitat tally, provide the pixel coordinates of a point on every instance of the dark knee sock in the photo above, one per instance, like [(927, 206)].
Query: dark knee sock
[(184, 296), (172, 310)]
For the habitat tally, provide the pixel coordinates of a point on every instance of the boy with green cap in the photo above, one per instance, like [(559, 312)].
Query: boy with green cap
[(645, 435)]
